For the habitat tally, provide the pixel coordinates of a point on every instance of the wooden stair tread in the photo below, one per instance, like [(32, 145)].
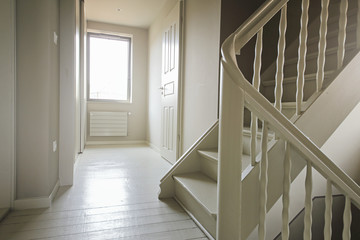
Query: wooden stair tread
[(213, 155), (290, 105), (247, 132), (202, 188)]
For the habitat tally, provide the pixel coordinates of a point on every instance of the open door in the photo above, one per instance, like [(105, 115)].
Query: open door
[(170, 82)]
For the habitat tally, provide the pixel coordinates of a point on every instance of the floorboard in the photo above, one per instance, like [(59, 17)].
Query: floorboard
[(114, 196)]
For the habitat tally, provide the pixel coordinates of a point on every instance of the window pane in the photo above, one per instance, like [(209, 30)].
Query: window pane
[(109, 68)]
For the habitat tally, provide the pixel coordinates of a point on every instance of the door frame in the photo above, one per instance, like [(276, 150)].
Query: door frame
[(8, 157), (83, 75), (180, 111), (8, 106), (13, 149), (12, 173)]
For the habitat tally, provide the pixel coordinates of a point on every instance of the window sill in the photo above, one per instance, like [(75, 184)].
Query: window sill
[(101, 101)]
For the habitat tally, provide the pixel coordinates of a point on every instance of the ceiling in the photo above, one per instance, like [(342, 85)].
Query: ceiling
[(135, 13)]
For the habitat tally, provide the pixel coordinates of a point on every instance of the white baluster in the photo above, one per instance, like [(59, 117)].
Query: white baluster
[(230, 158), (328, 211), (253, 127), (263, 181), (347, 219), (302, 55), (257, 60), (342, 32), (358, 26), (322, 44), (280, 58), (286, 193), (256, 84), (308, 202)]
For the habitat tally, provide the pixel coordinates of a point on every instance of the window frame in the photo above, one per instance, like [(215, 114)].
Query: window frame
[(110, 35)]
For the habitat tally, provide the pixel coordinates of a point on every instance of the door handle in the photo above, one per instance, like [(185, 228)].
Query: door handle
[(162, 90)]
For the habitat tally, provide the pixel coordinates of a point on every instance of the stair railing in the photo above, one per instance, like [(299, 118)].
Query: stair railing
[(236, 94)]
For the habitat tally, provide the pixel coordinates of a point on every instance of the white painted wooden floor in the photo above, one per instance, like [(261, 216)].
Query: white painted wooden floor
[(114, 197)]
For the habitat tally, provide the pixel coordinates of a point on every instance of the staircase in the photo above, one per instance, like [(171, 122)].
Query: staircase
[(235, 173), (197, 191)]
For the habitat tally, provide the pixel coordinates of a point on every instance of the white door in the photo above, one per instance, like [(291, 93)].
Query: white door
[(170, 84)]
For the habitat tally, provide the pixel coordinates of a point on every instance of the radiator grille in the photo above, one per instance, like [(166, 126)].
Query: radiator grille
[(108, 123)]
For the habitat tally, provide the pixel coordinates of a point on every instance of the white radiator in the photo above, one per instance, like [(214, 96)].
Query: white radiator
[(108, 123)]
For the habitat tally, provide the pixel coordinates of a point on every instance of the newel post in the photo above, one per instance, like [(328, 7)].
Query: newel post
[(230, 154)]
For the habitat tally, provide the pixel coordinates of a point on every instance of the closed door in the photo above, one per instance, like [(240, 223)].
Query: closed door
[(170, 84)]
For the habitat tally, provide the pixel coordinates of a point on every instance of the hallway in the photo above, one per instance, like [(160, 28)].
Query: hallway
[(114, 197)]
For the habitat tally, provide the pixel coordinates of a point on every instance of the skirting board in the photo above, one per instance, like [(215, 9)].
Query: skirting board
[(114, 142), (153, 146), (77, 158), (40, 202), (3, 213), (208, 235)]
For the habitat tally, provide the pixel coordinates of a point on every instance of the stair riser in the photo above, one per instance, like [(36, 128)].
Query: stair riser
[(197, 210), (209, 167)]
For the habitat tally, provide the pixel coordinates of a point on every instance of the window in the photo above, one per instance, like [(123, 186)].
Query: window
[(109, 67)]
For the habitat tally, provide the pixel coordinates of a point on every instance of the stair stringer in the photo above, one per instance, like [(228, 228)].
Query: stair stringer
[(340, 97), (333, 105), (189, 161)]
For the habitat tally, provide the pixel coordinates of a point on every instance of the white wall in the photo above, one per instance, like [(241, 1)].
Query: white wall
[(67, 116), (137, 108), (7, 101), (344, 145), (37, 99), (201, 70)]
